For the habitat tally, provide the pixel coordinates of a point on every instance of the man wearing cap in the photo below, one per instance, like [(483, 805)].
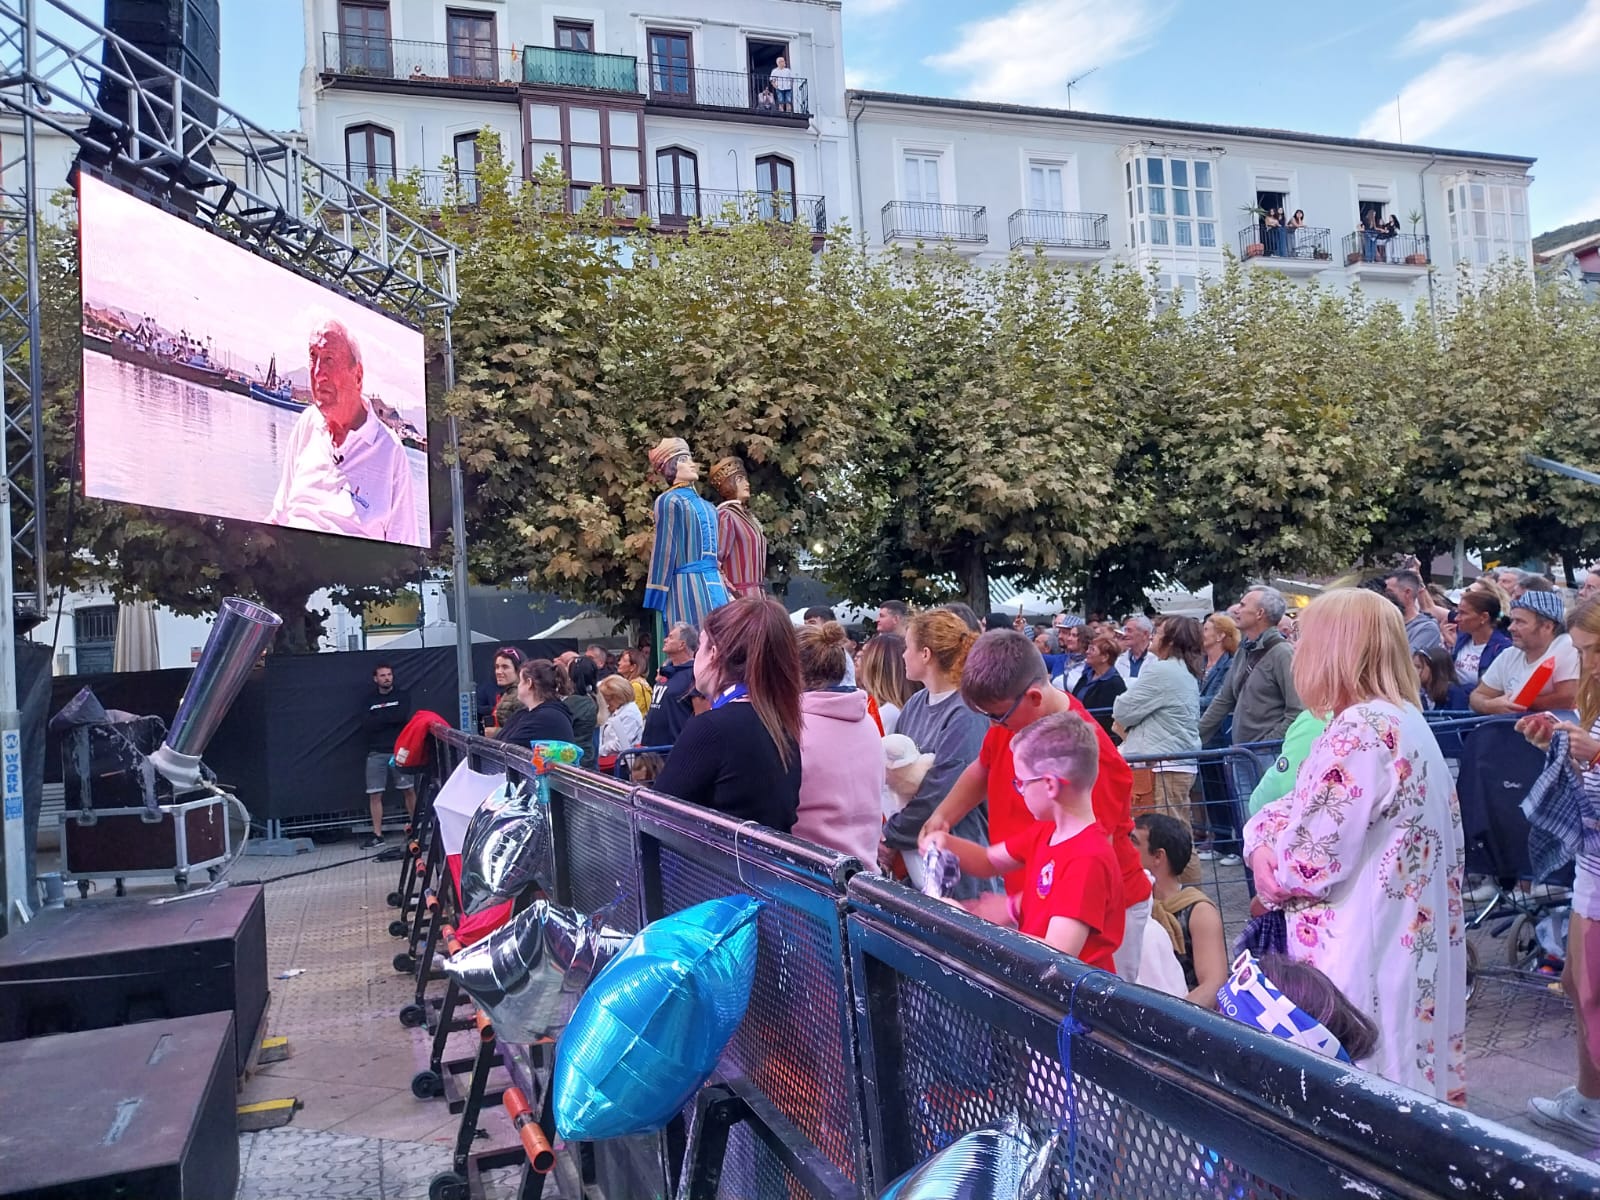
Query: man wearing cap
[(1538, 633)]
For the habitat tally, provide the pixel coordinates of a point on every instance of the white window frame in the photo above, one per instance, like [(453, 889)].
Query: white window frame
[(945, 152), (1170, 253), (1518, 249), (1070, 195)]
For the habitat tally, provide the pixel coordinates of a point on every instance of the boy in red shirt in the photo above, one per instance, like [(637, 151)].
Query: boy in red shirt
[(1071, 897), (1004, 678)]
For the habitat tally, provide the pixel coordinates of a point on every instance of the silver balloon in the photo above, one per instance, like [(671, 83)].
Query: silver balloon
[(508, 846), (996, 1162), (507, 976), (580, 944)]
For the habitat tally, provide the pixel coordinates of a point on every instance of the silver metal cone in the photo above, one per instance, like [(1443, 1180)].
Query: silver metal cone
[(241, 632)]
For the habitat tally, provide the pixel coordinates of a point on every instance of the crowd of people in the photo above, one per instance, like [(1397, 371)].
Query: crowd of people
[(1078, 774)]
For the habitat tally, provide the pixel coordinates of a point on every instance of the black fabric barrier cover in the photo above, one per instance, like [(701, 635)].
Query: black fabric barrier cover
[(292, 744)]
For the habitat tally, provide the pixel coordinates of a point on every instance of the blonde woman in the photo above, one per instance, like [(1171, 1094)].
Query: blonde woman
[(1364, 856), (624, 725), (881, 672)]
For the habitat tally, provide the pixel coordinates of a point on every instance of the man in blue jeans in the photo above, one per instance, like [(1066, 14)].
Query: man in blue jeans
[(1259, 695)]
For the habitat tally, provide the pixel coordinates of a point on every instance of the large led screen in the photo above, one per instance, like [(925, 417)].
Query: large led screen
[(216, 382)]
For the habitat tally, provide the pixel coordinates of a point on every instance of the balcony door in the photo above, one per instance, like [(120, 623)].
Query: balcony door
[(920, 175), (677, 184), (369, 153), (472, 45), (1047, 187), (775, 187), (364, 39), (671, 66)]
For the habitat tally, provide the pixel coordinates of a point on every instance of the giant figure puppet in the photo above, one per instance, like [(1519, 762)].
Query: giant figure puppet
[(685, 582), (741, 544)]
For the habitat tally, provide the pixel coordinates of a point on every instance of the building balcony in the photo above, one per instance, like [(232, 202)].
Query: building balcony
[(677, 87), (676, 207), (1072, 235), (389, 61), (1302, 251), (920, 221), (1370, 255), (580, 69)]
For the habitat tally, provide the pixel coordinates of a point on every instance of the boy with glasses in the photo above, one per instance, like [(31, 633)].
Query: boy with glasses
[(1071, 898), (1004, 679)]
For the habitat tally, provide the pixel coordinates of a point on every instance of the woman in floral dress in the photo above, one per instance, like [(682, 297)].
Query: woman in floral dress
[(1364, 857)]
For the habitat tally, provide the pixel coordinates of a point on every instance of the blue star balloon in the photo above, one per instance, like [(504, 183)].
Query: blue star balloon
[(655, 1020), (997, 1162)]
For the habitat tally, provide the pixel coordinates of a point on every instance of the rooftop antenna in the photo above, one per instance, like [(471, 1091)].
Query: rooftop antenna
[(1072, 83)]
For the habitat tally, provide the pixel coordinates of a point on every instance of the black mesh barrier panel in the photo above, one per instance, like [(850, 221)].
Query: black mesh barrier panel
[(792, 1047), (602, 862), (751, 1171)]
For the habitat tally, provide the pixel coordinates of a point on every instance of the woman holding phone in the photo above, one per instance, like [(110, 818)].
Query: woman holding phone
[(1576, 1110)]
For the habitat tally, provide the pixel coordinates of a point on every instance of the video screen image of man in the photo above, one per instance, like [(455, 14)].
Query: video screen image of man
[(344, 470)]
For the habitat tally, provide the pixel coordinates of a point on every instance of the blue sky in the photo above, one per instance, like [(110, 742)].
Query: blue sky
[(1501, 75)]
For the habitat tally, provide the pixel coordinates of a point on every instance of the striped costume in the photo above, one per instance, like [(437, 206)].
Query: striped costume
[(684, 583), (741, 549)]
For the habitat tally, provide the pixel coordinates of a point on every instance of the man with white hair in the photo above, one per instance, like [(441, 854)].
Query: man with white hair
[(1137, 632), (344, 470)]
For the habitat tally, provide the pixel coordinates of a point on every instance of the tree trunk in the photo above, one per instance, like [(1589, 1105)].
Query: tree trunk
[(975, 577), (295, 635)]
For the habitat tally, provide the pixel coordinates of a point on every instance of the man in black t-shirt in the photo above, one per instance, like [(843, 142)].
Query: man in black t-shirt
[(671, 702), (388, 709)]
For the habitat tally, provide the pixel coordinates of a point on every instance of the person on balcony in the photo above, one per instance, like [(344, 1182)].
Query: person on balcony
[(766, 102), (1294, 223), (1369, 236), (782, 82)]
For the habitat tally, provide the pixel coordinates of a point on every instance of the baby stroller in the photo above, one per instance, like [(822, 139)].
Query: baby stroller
[(1498, 767)]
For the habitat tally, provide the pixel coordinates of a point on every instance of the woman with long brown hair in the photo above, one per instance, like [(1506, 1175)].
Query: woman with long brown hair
[(742, 756), (936, 719), (1576, 1110), (542, 718)]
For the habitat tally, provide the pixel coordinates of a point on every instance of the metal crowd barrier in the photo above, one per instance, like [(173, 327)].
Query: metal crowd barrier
[(883, 1025)]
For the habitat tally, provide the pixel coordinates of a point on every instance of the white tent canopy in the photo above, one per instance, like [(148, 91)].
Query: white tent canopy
[(586, 626), (440, 633), (845, 614)]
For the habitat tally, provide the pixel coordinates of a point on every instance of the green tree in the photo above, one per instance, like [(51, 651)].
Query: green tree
[(1481, 387), (1002, 425), (579, 344), (1281, 433)]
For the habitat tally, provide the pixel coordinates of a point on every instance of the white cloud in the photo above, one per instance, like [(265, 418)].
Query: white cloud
[(1438, 31), (1459, 83), (1029, 53), (864, 78)]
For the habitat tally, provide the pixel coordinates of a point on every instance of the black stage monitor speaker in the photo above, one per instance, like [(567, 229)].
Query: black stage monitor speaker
[(182, 35)]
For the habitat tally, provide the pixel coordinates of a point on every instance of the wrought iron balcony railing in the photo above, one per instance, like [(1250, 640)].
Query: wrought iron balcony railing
[(1375, 246), (432, 62), (914, 220), (674, 206), (695, 87), (580, 69), (1059, 230), (1260, 241)]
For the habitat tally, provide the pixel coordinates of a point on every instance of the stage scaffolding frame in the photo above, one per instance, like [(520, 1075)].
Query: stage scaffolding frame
[(55, 65)]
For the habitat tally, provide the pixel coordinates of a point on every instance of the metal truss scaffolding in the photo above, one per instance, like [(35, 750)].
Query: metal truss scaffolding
[(223, 173)]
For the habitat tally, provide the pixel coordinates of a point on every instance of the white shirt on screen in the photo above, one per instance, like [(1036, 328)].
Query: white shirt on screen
[(362, 487), (1512, 668)]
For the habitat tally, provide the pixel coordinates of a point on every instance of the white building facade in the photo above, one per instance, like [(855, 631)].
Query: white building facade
[(1086, 189), (686, 107)]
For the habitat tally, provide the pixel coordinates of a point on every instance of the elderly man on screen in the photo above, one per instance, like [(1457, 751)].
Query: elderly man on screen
[(344, 470)]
